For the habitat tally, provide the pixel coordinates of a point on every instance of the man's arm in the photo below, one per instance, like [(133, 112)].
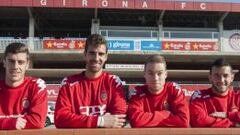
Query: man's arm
[(232, 116), (65, 118), (200, 117), (118, 103), (179, 110), (140, 118), (112, 121), (21, 123), (8, 123), (115, 116), (37, 111)]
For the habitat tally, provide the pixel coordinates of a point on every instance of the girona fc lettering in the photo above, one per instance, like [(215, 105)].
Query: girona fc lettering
[(43, 2), (93, 110)]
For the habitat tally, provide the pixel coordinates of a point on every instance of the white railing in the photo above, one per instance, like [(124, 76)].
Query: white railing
[(37, 43)]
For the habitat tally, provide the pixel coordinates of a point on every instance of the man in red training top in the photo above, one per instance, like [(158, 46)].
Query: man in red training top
[(93, 98), (215, 107), (23, 100), (237, 114), (157, 103)]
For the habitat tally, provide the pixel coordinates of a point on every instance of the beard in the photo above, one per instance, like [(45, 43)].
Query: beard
[(94, 69), (220, 90)]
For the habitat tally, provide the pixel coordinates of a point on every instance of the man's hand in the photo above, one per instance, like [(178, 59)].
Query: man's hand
[(219, 114), (114, 121), (21, 123), (237, 125)]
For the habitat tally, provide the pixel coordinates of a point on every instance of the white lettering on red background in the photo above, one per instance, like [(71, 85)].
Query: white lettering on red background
[(203, 6), (93, 110), (183, 5), (52, 92), (144, 5), (43, 2), (125, 4), (64, 2), (104, 3), (84, 3)]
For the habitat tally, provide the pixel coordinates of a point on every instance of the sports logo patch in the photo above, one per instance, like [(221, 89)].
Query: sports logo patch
[(166, 105), (103, 96), (25, 103)]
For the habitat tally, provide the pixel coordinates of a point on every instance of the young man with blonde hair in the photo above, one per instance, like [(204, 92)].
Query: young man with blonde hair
[(158, 103)]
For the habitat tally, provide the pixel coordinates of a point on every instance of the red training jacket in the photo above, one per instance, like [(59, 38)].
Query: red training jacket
[(82, 100), (167, 109), (28, 100), (205, 102)]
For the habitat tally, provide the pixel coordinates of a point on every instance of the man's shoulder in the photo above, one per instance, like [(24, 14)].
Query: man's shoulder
[(109, 75), (36, 84), (112, 78), (33, 80), (71, 79), (201, 95), (138, 91), (173, 87)]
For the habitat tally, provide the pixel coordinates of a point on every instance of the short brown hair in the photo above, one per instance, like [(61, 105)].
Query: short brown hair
[(15, 48), (95, 40), (155, 59)]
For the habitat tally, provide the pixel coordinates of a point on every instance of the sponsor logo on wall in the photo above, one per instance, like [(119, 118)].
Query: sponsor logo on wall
[(190, 46), (151, 46), (64, 44), (134, 45), (120, 45)]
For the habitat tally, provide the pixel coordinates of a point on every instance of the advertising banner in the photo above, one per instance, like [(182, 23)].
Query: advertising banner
[(125, 66), (231, 41), (121, 45), (52, 91), (63, 44), (151, 46), (189, 46), (134, 45)]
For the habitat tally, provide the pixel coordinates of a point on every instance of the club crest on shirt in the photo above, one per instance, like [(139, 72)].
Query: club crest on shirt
[(103, 96), (25, 103), (166, 105)]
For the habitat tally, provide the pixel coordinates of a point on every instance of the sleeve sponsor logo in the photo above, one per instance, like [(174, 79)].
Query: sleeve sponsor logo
[(104, 96), (196, 94), (41, 85), (25, 103)]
